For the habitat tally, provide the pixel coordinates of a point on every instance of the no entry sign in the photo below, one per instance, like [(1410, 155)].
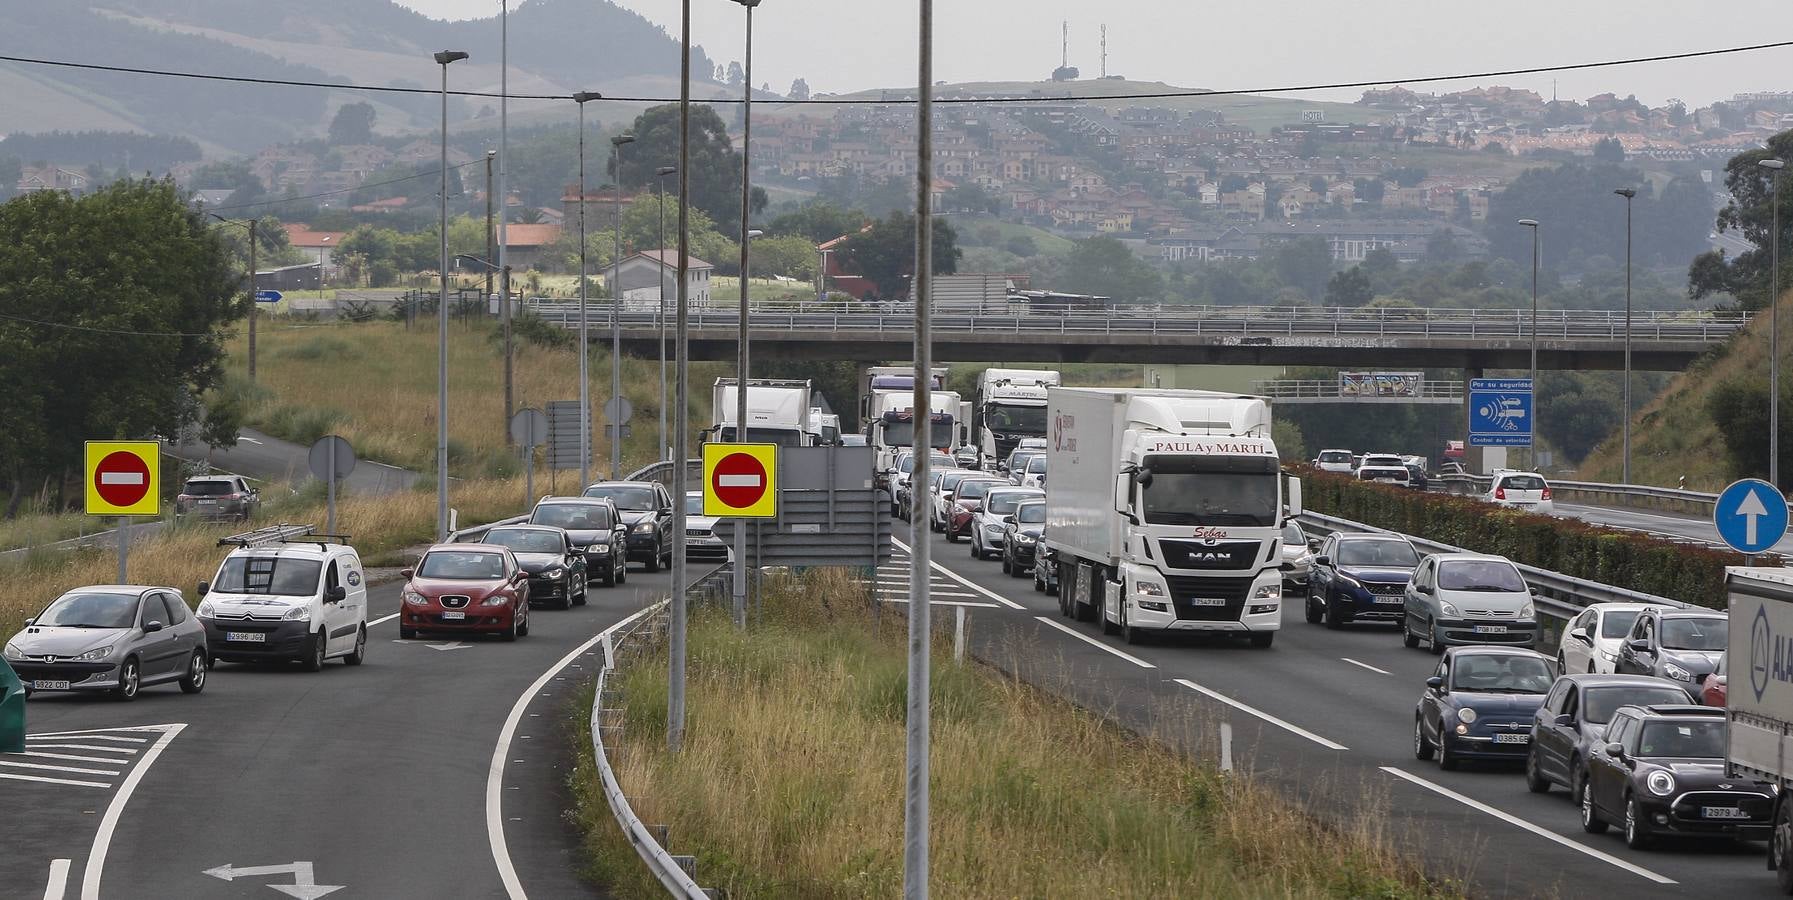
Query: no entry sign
[(123, 478), (741, 480)]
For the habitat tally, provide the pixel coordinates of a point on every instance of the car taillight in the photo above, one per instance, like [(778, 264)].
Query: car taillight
[(1547, 493), (183, 497), (1500, 493), (233, 496)]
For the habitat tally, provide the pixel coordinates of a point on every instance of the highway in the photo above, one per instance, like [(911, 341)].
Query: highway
[(1658, 524), (377, 779), (1328, 717)]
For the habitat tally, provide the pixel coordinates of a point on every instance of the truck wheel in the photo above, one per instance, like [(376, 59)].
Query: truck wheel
[(1263, 639), (1129, 634)]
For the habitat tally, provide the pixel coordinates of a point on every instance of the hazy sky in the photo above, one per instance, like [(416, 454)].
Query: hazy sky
[(843, 45)]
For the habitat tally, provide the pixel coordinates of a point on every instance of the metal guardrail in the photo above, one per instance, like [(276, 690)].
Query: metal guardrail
[(662, 472), (1560, 596), (1295, 389), (476, 533)]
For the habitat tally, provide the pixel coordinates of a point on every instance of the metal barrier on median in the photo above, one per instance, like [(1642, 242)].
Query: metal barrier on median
[(1559, 596)]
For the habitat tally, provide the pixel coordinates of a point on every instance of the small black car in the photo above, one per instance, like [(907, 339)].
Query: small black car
[(1360, 576), (1021, 537), (1479, 704), (646, 508), (1662, 772)]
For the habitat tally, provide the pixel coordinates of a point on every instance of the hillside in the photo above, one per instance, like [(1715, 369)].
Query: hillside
[(1674, 436), (558, 46)]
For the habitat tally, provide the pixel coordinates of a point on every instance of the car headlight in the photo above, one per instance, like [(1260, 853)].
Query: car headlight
[(1466, 715), (1676, 672), (1148, 588), (644, 528), (1023, 538), (416, 599), (1268, 592), (1349, 582), (1660, 783), (297, 614), (1528, 611), (11, 652), (553, 573), (496, 600), (94, 655), (598, 549), (1609, 656), (206, 610), (1448, 609)]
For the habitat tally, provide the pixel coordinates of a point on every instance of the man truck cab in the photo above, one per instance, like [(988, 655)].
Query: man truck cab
[(287, 593)]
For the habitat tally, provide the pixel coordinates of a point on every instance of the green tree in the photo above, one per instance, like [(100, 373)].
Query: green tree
[(714, 168), (885, 254), (968, 198), (11, 170), (1739, 408), (1369, 190), (1230, 184), (354, 124), (1750, 213), (799, 90), (1349, 288), (1609, 150), (818, 220), (1105, 267), (1304, 264), (790, 256)]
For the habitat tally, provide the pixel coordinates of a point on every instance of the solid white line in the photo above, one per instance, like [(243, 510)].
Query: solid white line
[(88, 737), (96, 747), (98, 784), (71, 756), (49, 768), (1365, 666), (947, 603), (1095, 643), (95, 732), (102, 839), (1534, 829), (501, 856), (382, 619), (960, 579), (1254, 711), (58, 880)]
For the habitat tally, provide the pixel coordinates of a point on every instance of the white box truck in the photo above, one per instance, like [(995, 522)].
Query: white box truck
[(1758, 670), (777, 412), (1164, 511), (1011, 405)]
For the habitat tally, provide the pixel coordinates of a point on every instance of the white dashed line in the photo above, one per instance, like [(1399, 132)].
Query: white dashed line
[(1366, 666), (1095, 643), (1254, 711)]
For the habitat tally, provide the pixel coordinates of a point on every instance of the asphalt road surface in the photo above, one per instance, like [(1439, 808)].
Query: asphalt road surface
[(1328, 717), (269, 458), (1659, 524), (376, 781)]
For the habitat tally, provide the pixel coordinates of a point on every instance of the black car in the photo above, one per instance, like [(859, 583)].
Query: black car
[(1571, 725), (1416, 477), (1045, 567), (1021, 537), (1479, 704), (596, 529), (1682, 645), (1360, 577), (646, 509), (555, 567), (1662, 772)]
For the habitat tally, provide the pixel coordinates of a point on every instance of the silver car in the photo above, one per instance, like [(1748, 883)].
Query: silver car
[(1469, 598), (112, 638)]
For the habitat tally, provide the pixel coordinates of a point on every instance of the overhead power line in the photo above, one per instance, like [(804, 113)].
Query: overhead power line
[(840, 101)]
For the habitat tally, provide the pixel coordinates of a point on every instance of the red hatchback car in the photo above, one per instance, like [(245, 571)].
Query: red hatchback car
[(466, 588), (1715, 690)]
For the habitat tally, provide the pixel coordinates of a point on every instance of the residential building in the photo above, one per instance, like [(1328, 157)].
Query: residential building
[(645, 275)]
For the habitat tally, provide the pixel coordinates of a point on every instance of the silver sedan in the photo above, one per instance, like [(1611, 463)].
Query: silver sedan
[(115, 639)]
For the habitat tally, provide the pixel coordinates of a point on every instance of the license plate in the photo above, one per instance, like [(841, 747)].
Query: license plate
[(49, 685), (1512, 738), (1390, 601), (1206, 601), (451, 616), (248, 637), (207, 502), (1723, 812), (1490, 629)]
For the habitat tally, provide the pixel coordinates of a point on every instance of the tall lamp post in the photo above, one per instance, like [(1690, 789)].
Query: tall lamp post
[(660, 313), (582, 98), (675, 640), (443, 58), (1774, 322), (1625, 478), (740, 575), (1533, 225), (916, 716), (616, 306)]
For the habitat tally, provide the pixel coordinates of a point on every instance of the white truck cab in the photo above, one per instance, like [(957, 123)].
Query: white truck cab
[(285, 592)]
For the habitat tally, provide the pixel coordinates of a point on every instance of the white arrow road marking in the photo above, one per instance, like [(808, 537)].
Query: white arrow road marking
[(304, 884), (745, 481), (121, 478), (452, 645), (1751, 509)]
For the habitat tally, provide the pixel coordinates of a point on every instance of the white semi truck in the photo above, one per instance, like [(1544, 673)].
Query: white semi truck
[(1758, 669), (1011, 405), (777, 412), (887, 410), (1164, 511)]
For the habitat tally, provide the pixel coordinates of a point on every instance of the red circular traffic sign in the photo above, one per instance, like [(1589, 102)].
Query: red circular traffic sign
[(121, 479), (738, 480)]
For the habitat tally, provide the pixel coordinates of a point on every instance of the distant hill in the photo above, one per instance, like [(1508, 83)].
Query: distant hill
[(556, 46)]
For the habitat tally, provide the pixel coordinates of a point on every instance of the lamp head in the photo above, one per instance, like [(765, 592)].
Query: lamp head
[(584, 97), (622, 139), (1529, 223), (1775, 164), (663, 171), (444, 57), (1627, 193)]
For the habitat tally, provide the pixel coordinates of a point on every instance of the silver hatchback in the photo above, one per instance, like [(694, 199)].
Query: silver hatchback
[(115, 639)]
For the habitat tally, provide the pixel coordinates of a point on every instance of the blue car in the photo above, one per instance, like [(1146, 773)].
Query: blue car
[(1479, 704), (1360, 577)]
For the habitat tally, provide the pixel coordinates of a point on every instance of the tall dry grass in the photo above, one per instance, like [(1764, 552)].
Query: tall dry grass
[(792, 777)]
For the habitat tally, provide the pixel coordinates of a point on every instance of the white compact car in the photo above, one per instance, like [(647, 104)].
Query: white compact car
[(1521, 490), (1593, 639), (1034, 476), (1334, 461)]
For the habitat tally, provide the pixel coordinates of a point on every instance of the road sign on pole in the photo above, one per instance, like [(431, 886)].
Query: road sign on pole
[(124, 478), (331, 460), (741, 480), (618, 410), (1500, 412), (268, 296), (1750, 515), (529, 430)]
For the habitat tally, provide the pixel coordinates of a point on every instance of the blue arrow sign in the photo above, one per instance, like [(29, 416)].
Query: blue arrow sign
[(268, 296), (1750, 515)]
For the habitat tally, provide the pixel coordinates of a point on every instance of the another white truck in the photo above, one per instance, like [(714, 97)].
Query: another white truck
[(777, 412), (1164, 511), (887, 402), (1011, 405), (1758, 669)]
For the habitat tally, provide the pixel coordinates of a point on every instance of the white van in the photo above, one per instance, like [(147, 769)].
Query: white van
[(287, 593)]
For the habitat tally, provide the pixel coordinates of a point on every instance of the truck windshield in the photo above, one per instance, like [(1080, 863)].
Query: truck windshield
[(783, 437), (1015, 419), (1211, 490), (902, 434)]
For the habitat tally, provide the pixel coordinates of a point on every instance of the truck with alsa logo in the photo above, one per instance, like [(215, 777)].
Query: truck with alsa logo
[(1758, 669), (1164, 511)]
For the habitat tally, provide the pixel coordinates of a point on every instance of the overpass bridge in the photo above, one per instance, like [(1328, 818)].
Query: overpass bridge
[(1466, 339)]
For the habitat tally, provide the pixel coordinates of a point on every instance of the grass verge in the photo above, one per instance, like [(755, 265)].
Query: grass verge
[(791, 782)]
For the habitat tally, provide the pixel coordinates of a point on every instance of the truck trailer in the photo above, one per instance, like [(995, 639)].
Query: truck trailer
[(1759, 696), (777, 412)]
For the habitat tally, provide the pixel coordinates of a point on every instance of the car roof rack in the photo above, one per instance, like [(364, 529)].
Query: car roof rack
[(281, 534)]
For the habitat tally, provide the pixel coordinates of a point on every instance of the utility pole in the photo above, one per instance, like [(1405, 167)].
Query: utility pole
[(616, 309), (741, 362), (1774, 166), (915, 806), (675, 643), (660, 178), (254, 301), (491, 237), (1625, 439)]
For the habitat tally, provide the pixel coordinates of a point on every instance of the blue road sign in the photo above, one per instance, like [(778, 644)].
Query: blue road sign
[(268, 296), (1750, 515), (1500, 412)]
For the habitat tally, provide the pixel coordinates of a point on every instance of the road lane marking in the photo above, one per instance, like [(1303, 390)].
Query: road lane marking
[(71, 756), (102, 839), (962, 580), (97, 784), (1366, 666), (1095, 643), (49, 768), (94, 747), (1510, 819), (501, 857), (382, 619), (88, 737), (1254, 711), (971, 603), (58, 883)]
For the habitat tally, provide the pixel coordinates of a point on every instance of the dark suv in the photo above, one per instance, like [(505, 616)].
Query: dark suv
[(646, 508), (1360, 577), (1661, 771)]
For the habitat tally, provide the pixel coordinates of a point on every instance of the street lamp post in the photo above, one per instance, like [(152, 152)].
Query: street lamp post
[(1533, 225), (616, 307), (1774, 322), (1625, 440), (660, 313), (675, 641), (740, 574), (582, 98), (916, 716), (443, 58)]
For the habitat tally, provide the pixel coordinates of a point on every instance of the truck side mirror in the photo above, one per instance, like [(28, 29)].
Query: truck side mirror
[(1123, 499), (1294, 497)]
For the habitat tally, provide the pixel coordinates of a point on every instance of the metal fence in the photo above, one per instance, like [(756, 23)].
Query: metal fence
[(1295, 390)]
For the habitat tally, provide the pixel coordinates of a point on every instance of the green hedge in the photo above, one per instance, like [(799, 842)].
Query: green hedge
[(1627, 559)]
